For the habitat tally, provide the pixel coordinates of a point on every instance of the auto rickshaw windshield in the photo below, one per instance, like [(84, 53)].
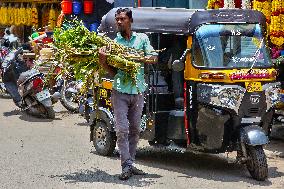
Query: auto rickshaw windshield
[(230, 46)]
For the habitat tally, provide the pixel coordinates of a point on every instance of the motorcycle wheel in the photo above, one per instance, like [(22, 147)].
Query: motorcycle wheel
[(104, 140), (67, 98), (39, 109), (257, 163), (50, 112)]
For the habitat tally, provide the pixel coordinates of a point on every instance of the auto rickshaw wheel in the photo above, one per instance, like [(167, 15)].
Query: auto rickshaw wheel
[(103, 139), (257, 163)]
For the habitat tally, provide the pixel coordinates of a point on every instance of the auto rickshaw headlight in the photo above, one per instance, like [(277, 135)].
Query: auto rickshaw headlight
[(228, 96), (272, 93)]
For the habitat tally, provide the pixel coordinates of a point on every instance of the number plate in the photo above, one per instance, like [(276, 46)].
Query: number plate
[(253, 86), (43, 95), (251, 120)]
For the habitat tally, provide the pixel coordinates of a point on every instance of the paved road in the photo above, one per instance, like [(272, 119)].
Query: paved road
[(36, 153)]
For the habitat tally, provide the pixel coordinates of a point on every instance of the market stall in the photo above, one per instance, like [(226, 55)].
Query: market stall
[(23, 17)]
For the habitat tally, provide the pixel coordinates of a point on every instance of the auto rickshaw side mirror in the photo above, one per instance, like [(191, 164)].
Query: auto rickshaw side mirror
[(178, 65)]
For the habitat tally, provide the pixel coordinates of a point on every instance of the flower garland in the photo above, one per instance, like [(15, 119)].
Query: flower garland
[(253, 74), (215, 4), (229, 4), (263, 6), (277, 23), (246, 4)]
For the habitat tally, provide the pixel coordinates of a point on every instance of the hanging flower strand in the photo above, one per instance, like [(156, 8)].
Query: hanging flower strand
[(246, 4), (229, 4), (215, 4), (277, 23)]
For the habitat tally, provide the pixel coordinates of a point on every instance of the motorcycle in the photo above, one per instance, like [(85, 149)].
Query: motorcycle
[(69, 94), (65, 88), (86, 105)]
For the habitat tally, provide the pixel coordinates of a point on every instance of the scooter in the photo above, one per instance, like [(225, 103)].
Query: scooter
[(26, 86), (35, 96)]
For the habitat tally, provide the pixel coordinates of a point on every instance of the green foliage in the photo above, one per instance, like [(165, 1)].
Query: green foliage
[(78, 47), (280, 60)]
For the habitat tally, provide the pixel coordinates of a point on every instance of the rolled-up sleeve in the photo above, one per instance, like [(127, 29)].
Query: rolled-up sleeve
[(148, 49)]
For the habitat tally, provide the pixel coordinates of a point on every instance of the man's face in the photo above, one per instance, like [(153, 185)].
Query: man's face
[(123, 22)]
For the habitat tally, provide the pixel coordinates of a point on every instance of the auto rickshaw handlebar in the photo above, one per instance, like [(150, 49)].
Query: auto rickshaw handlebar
[(183, 56)]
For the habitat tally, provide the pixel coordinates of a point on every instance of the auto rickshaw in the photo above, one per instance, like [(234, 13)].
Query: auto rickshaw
[(213, 89)]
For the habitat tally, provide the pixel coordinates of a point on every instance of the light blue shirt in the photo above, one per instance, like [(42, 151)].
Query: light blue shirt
[(138, 41)]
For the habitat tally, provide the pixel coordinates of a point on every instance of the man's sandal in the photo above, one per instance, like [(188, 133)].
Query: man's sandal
[(125, 175)]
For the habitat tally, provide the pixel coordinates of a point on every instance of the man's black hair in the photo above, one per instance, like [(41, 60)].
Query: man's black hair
[(127, 11)]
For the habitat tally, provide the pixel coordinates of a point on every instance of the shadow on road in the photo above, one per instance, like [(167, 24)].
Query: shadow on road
[(11, 113), (199, 165), (276, 148), (86, 124), (206, 166), (96, 175), (27, 117), (32, 118)]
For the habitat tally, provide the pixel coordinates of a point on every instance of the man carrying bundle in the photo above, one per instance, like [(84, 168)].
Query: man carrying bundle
[(127, 97)]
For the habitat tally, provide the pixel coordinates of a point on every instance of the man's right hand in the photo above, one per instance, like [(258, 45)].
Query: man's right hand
[(102, 55), (103, 61)]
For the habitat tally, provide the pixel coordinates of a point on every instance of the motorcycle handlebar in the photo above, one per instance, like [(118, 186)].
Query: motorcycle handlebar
[(13, 55), (18, 51), (10, 57)]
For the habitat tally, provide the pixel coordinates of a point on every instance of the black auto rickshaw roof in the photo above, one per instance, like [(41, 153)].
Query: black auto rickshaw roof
[(226, 16), (156, 20), (179, 20)]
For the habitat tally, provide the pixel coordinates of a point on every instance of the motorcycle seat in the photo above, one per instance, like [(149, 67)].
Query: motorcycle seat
[(25, 76)]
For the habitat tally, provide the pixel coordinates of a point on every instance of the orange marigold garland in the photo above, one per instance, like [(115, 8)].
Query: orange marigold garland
[(215, 4), (263, 6), (277, 23)]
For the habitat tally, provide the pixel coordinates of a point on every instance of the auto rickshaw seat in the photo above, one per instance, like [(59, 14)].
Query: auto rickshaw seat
[(159, 82)]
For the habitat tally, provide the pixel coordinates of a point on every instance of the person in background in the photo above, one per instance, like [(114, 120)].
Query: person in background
[(8, 35), (127, 98), (13, 40)]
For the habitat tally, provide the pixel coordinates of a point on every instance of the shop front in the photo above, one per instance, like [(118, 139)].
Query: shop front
[(23, 17)]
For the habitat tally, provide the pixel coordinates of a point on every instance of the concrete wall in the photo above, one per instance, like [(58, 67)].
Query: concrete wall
[(125, 3), (197, 4)]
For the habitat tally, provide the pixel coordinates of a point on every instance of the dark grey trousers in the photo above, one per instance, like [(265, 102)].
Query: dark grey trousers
[(127, 116)]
